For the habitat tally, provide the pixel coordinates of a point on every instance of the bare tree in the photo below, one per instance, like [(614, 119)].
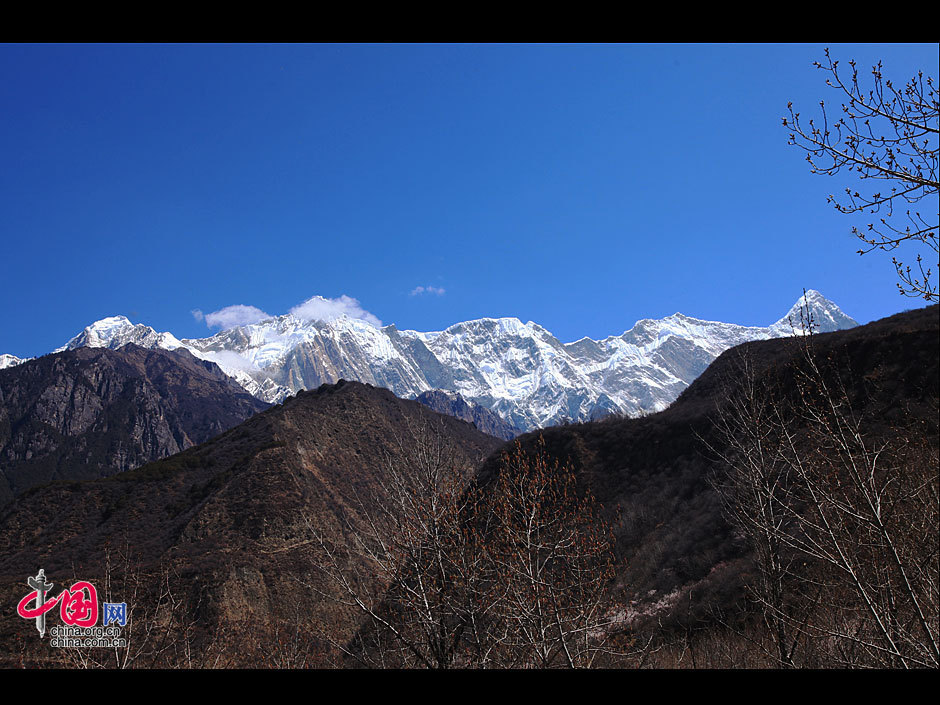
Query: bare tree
[(756, 488), (885, 134), (867, 511), (160, 629), (553, 558), (514, 574), (844, 523), (419, 546)]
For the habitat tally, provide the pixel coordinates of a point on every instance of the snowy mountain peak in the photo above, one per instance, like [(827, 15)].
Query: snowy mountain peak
[(824, 314), (111, 322), (116, 331), (107, 329)]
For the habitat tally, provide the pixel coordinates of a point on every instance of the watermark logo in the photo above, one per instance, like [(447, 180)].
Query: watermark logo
[(78, 609), (114, 612)]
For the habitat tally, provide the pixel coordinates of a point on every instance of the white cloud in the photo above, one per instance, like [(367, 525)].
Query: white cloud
[(318, 308), (232, 316), (437, 290)]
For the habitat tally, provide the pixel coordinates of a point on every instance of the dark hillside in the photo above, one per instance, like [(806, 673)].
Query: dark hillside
[(230, 522), (681, 559)]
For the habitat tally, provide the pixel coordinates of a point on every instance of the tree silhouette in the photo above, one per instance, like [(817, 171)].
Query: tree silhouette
[(886, 134)]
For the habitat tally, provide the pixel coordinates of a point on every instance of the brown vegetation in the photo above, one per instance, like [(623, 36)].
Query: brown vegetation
[(513, 575), (225, 524)]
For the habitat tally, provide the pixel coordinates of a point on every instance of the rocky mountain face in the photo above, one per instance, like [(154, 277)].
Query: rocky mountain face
[(232, 523), (519, 371), (91, 412), (481, 417)]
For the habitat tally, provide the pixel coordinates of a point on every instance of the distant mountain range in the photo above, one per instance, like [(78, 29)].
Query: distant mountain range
[(683, 564), (519, 371)]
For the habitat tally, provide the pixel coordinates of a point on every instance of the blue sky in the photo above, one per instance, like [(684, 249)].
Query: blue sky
[(583, 187)]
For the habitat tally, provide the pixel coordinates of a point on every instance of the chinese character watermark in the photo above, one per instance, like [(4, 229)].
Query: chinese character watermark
[(78, 609)]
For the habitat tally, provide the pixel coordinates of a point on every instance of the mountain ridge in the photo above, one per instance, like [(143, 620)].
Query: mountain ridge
[(453, 404), (517, 370)]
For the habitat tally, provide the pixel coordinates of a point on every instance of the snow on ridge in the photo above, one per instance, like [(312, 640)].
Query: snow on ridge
[(7, 360), (518, 370)]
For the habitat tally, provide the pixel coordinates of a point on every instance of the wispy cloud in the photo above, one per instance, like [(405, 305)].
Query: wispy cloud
[(436, 290), (231, 316), (318, 308)]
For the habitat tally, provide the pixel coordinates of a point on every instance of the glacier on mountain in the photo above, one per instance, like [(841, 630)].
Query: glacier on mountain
[(518, 370)]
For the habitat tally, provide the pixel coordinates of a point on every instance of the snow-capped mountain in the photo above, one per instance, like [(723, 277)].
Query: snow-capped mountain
[(518, 370), (11, 361), (824, 317), (115, 332)]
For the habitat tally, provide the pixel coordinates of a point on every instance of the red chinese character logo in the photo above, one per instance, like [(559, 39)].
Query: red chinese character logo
[(78, 606), (78, 610)]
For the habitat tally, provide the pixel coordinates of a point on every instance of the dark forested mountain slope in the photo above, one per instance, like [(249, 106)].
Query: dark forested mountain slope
[(232, 519), (679, 557), (91, 412)]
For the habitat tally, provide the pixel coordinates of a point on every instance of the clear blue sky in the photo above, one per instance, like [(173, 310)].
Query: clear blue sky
[(582, 187)]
